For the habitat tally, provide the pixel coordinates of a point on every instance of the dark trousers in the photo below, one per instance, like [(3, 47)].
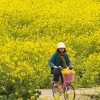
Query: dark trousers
[(57, 74)]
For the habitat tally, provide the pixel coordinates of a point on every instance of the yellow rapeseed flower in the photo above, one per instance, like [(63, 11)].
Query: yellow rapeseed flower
[(16, 93), (13, 81)]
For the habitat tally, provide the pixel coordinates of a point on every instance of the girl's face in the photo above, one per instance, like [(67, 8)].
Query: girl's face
[(61, 50)]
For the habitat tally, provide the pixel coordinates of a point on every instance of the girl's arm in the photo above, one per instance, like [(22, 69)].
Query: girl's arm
[(51, 61)]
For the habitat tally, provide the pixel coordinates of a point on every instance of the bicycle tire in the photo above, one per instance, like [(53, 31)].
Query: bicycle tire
[(69, 88), (54, 92)]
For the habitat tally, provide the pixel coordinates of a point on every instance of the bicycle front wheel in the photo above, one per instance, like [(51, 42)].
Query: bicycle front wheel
[(69, 93), (58, 92)]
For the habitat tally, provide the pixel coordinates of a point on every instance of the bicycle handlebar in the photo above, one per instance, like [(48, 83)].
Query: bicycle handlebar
[(63, 68), (60, 67)]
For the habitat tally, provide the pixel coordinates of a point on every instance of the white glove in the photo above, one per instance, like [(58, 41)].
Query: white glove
[(55, 67)]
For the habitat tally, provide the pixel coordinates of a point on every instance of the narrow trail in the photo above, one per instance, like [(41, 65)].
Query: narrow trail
[(80, 93)]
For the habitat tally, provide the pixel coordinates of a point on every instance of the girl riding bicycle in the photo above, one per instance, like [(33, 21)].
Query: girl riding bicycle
[(60, 58)]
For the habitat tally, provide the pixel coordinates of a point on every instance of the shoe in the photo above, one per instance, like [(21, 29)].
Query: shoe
[(56, 84)]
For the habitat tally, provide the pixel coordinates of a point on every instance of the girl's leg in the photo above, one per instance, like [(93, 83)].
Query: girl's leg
[(61, 78), (56, 73)]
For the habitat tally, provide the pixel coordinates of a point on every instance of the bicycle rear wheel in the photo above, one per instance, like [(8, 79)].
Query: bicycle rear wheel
[(69, 93)]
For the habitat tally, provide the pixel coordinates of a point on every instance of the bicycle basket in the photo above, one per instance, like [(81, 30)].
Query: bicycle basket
[(69, 78)]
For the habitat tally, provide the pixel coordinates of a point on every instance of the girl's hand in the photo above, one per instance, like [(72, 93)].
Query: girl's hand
[(71, 67), (55, 67)]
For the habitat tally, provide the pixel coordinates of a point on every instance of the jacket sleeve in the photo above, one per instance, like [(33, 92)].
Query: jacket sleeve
[(51, 62), (68, 62)]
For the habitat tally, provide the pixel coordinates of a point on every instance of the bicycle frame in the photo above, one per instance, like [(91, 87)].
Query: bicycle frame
[(65, 86)]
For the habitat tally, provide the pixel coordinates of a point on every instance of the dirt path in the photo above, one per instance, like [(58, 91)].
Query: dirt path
[(79, 93)]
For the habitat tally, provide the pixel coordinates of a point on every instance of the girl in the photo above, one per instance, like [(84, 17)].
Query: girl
[(60, 58)]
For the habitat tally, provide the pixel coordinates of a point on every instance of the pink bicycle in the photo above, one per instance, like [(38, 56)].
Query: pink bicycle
[(66, 89)]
